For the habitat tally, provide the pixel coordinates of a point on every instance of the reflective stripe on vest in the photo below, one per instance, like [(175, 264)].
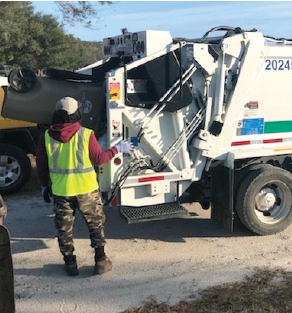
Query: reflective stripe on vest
[(71, 170), (79, 156)]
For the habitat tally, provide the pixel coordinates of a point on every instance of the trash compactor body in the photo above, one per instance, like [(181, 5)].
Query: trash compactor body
[(210, 115)]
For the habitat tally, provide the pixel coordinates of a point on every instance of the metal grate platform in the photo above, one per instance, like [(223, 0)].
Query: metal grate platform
[(153, 212)]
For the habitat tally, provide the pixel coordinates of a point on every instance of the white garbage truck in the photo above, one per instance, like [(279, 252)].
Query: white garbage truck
[(211, 115)]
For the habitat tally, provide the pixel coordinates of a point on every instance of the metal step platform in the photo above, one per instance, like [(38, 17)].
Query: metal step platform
[(153, 212)]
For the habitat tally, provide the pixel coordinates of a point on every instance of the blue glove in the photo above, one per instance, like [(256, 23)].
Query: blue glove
[(47, 193), (124, 147)]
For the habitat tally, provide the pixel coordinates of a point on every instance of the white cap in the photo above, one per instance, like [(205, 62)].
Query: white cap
[(67, 104)]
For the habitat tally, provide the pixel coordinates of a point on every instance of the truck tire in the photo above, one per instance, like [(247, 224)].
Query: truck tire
[(22, 80), (240, 176), (15, 168), (264, 200)]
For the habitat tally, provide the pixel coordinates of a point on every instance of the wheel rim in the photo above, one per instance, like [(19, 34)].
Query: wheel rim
[(9, 170), (22, 80), (273, 202)]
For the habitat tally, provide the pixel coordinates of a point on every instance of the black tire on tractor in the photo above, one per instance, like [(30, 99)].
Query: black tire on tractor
[(15, 168), (22, 80), (264, 200)]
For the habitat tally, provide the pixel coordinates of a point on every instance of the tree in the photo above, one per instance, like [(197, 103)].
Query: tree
[(39, 41), (80, 11)]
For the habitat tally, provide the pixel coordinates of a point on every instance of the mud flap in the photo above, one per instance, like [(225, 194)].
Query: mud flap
[(222, 180)]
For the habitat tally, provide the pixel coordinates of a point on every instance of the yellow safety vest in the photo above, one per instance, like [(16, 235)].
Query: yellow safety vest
[(71, 170)]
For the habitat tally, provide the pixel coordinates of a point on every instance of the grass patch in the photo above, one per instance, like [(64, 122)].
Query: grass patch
[(266, 291)]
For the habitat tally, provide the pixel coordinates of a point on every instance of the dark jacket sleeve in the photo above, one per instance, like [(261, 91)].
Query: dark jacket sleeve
[(42, 162), (96, 155)]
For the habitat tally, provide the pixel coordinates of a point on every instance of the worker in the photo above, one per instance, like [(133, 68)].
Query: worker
[(66, 154)]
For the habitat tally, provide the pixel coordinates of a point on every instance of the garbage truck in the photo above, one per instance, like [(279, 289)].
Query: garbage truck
[(210, 115)]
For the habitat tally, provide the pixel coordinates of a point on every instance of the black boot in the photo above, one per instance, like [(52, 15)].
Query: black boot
[(71, 265), (102, 263)]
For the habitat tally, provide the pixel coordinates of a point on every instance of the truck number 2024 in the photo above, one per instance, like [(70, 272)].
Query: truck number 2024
[(278, 65)]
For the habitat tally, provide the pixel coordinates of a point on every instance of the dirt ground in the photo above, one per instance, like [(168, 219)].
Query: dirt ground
[(169, 260)]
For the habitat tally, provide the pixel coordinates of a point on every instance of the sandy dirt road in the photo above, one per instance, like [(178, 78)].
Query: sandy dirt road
[(168, 260)]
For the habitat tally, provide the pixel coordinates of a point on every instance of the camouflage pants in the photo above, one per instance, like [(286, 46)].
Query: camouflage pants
[(90, 206)]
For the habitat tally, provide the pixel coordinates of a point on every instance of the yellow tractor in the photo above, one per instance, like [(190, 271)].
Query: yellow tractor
[(17, 140)]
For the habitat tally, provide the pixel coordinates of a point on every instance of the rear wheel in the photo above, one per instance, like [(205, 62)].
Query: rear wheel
[(264, 200), (15, 168)]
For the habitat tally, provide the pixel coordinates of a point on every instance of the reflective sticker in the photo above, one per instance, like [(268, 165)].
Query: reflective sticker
[(253, 105), (251, 109), (239, 128), (115, 91), (115, 94), (264, 141), (252, 126), (134, 140), (116, 124), (116, 132), (114, 86), (283, 149)]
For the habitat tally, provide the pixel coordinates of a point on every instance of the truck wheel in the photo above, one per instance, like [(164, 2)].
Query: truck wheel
[(264, 200), (15, 168), (22, 80)]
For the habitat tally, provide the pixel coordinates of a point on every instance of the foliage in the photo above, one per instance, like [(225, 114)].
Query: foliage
[(29, 39), (80, 11), (267, 291), (86, 52)]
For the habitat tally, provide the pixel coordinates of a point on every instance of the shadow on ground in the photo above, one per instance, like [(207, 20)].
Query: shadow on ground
[(30, 218)]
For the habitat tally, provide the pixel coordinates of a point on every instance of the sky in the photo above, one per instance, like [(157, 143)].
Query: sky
[(188, 19)]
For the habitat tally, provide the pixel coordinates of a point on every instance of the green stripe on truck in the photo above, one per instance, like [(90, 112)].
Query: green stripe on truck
[(278, 127)]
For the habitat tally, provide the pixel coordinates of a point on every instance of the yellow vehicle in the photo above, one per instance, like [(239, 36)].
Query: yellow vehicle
[(17, 140)]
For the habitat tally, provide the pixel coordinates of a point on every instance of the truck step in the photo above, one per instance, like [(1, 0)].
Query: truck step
[(153, 212)]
